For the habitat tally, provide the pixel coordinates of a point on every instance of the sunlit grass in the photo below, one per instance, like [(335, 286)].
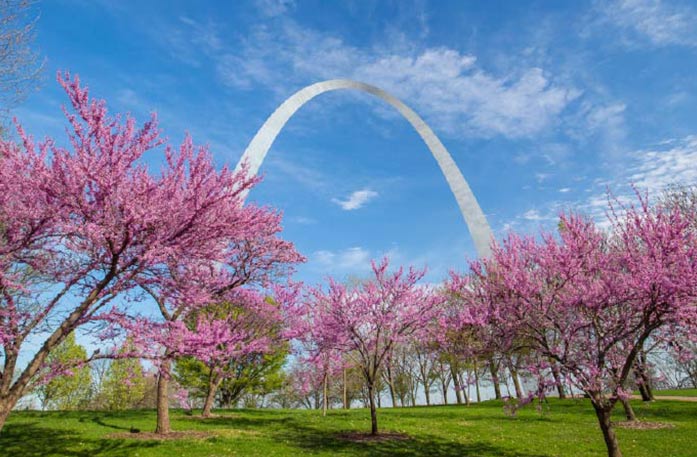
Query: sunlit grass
[(562, 428), (677, 392)]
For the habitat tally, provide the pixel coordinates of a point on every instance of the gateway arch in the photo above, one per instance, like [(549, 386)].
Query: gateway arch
[(261, 143)]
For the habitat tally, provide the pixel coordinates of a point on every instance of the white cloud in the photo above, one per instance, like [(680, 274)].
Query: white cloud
[(541, 177), (186, 40), (651, 170), (204, 35), (302, 220), (656, 21), (659, 168), (350, 259), (134, 102), (532, 215), (356, 200), (601, 116), (442, 83), (606, 123), (530, 221), (272, 8), (555, 153)]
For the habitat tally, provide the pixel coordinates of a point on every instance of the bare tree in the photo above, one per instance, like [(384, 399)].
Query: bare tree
[(20, 65)]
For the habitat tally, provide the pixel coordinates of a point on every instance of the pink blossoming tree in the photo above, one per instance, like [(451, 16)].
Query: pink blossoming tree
[(248, 253), (83, 225), (246, 324), (368, 321), (589, 299)]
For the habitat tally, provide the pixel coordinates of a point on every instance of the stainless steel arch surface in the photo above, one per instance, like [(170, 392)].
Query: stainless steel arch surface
[(471, 212)]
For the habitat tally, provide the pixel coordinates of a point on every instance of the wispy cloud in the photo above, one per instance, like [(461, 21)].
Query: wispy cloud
[(609, 121), (352, 259), (672, 163), (600, 122), (305, 174), (532, 215), (303, 220), (187, 40), (661, 23), (356, 200), (650, 170), (541, 177), (271, 8)]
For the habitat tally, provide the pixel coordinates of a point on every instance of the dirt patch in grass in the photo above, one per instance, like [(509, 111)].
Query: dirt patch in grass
[(641, 425), (189, 434), (359, 437)]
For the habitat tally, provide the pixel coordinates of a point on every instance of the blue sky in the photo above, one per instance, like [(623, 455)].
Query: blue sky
[(543, 105)]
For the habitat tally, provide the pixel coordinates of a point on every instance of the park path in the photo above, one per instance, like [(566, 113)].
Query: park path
[(667, 397)]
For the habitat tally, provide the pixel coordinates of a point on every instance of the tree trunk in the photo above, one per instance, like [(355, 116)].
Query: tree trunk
[(495, 379), (603, 414), (465, 393), (226, 398), (642, 377), (628, 410), (213, 384), (445, 392), (457, 385), (516, 382), (557, 380), (345, 396), (427, 394), (390, 385), (325, 396), (163, 425), (476, 382), (379, 397), (570, 388), (208, 404), (649, 389), (646, 393), (6, 405), (373, 413)]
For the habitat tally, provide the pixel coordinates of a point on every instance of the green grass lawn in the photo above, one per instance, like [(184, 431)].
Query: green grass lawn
[(565, 428), (677, 392)]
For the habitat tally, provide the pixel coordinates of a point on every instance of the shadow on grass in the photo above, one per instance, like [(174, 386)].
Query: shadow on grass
[(261, 421), (311, 439), (296, 432), (29, 439), (100, 421)]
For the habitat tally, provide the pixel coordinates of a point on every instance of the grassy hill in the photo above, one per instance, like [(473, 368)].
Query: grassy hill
[(563, 428)]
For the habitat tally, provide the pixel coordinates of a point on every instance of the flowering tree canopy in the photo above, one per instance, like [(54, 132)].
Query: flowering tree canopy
[(589, 299), (246, 324), (80, 226)]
